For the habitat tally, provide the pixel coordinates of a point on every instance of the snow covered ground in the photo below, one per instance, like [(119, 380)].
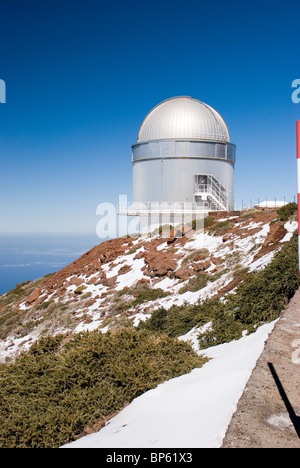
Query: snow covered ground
[(272, 204), (191, 411), (250, 244)]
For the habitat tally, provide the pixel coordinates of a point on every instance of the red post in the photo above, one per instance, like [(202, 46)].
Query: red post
[(298, 177)]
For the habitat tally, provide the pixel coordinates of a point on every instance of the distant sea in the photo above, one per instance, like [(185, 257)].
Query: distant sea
[(28, 257)]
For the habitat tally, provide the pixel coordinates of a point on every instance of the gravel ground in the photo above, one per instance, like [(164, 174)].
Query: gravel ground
[(268, 413)]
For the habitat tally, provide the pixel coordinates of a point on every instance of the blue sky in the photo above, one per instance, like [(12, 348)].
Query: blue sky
[(82, 75)]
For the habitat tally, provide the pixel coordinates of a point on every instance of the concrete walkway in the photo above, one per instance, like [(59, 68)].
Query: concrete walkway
[(268, 413)]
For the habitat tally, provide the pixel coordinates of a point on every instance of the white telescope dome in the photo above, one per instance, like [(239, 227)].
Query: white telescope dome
[(184, 118)]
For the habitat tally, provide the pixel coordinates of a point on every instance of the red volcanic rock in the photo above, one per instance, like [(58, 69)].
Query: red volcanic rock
[(159, 264), (75, 281), (124, 269), (182, 274), (201, 266), (34, 296), (88, 264), (143, 281), (93, 280), (109, 282), (90, 302), (139, 255), (276, 234), (216, 260)]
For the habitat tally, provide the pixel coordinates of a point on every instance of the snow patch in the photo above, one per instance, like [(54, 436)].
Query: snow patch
[(191, 411)]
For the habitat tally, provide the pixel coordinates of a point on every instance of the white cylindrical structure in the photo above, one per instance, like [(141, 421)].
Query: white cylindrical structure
[(183, 155)]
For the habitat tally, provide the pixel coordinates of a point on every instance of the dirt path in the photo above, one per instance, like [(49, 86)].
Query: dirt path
[(268, 413)]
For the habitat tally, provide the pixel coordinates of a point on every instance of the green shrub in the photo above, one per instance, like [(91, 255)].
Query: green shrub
[(263, 294), (20, 292), (49, 275), (44, 305), (218, 274), (250, 213), (201, 253), (223, 330), (51, 393), (11, 321), (221, 228), (133, 250), (164, 229), (239, 271), (178, 320), (286, 211), (259, 299), (142, 293), (201, 223), (208, 221), (148, 294), (195, 283), (80, 289)]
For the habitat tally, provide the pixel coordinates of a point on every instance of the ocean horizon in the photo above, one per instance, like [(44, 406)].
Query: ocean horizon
[(26, 257)]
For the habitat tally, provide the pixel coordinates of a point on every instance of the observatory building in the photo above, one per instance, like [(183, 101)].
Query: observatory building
[(183, 161)]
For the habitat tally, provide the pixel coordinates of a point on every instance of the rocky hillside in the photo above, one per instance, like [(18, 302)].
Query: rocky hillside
[(125, 280)]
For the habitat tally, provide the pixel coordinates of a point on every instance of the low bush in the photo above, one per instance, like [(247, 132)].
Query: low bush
[(148, 294), (195, 283), (259, 298), (200, 254), (208, 222), (286, 211), (221, 228), (141, 293), (21, 291), (201, 223), (133, 250), (178, 320), (44, 305), (50, 394), (165, 229), (239, 271), (250, 213), (80, 289), (218, 274)]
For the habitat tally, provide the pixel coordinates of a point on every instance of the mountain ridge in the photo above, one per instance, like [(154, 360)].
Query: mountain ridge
[(127, 278)]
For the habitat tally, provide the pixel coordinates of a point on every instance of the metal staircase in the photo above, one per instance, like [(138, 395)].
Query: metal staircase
[(211, 192)]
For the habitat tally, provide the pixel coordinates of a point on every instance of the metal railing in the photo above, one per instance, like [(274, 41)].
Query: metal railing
[(218, 198), (161, 208), (214, 189)]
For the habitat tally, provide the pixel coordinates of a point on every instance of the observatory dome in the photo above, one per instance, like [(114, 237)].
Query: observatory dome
[(184, 118)]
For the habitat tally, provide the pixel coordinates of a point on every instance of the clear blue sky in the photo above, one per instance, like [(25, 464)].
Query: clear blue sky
[(81, 75)]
